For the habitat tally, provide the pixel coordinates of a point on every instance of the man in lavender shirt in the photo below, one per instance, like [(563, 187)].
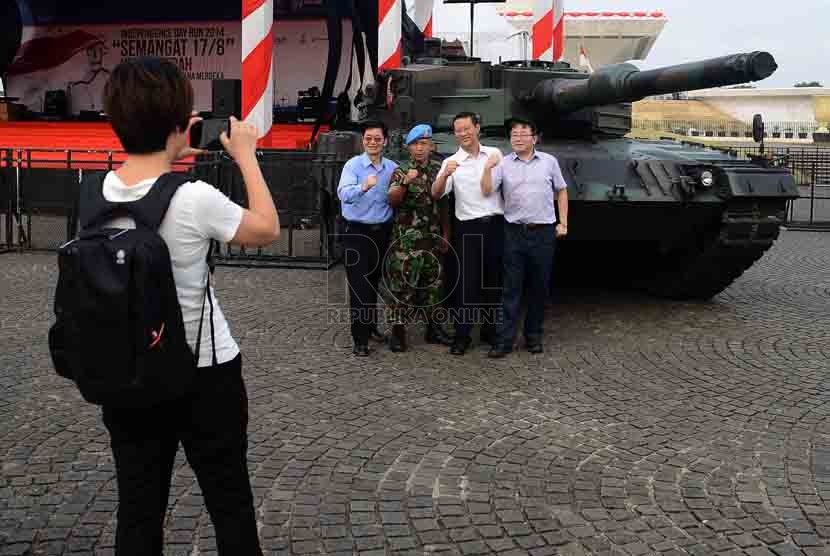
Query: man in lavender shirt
[(529, 180)]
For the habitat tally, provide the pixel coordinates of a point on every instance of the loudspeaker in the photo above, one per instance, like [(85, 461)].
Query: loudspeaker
[(227, 98), (56, 104)]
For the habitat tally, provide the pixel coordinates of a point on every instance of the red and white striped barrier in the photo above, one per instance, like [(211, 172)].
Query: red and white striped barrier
[(542, 31), (257, 67), (584, 60), (548, 30), (423, 16), (558, 29), (389, 34)]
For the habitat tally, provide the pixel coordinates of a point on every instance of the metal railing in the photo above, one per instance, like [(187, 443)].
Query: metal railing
[(728, 129)]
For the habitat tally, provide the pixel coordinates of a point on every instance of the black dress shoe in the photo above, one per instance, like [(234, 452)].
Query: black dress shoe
[(489, 337), (460, 345), (375, 335), (535, 347), (498, 352), (361, 350), (397, 340), (436, 334)]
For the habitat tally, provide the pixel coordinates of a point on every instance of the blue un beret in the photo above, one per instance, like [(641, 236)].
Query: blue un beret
[(420, 131)]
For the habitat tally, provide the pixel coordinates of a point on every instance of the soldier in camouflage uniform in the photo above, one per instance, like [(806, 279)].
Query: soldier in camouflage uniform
[(413, 265)]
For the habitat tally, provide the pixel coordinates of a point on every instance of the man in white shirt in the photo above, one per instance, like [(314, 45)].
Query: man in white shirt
[(478, 233)]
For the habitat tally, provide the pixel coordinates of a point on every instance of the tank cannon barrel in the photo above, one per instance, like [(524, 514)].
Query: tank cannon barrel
[(626, 83)]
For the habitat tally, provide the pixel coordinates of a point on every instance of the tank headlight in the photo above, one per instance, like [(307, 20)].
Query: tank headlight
[(707, 179)]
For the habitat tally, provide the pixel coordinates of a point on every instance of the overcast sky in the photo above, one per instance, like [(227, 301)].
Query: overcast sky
[(797, 33)]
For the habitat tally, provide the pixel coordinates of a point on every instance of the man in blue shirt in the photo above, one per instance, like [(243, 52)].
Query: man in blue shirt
[(363, 192)]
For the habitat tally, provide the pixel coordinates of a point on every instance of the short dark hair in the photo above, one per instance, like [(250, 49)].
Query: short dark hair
[(461, 115), (514, 122), (146, 100), (375, 124)]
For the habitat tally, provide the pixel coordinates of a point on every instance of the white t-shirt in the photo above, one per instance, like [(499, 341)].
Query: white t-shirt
[(466, 182), (197, 213)]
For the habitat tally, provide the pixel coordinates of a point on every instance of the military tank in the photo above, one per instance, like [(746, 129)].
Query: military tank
[(675, 219)]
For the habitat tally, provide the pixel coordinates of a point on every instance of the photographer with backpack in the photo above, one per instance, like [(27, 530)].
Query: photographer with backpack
[(138, 327)]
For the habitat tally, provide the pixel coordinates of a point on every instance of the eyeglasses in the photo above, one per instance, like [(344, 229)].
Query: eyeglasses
[(521, 135), (373, 139)]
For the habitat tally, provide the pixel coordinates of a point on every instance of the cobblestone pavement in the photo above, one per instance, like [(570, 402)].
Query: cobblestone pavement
[(647, 427)]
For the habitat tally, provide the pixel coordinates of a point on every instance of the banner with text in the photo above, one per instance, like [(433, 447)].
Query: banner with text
[(78, 60)]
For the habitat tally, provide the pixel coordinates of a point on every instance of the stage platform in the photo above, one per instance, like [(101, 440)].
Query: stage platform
[(99, 136)]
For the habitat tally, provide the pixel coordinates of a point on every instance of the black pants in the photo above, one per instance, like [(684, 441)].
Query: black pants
[(478, 244), (365, 246), (211, 423), (528, 260)]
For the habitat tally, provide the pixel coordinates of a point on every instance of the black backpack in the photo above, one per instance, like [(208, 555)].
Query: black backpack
[(119, 333)]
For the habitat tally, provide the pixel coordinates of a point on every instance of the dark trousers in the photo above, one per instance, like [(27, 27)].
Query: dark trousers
[(211, 423), (364, 248), (478, 244), (528, 260)]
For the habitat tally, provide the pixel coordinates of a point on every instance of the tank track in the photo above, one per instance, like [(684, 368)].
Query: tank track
[(748, 228)]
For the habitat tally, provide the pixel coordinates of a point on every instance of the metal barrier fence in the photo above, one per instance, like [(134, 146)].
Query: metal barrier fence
[(304, 187), (39, 192)]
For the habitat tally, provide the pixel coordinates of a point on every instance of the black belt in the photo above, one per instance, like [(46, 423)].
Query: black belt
[(368, 227), (532, 227), (482, 218)]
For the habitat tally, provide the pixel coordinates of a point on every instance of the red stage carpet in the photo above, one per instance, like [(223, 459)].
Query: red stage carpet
[(99, 136)]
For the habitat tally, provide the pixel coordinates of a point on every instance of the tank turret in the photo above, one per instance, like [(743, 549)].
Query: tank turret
[(552, 94)]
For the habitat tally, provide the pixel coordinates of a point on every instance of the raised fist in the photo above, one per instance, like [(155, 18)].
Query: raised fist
[(493, 160), (411, 175), (452, 166)]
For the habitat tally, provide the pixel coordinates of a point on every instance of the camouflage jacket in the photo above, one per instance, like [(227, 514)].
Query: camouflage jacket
[(417, 221)]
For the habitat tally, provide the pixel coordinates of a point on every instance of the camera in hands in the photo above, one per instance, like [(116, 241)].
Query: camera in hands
[(205, 134)]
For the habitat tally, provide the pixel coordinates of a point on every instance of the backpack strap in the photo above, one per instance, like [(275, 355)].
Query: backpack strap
[(96, 210), (91, 201), (151, 208), (209, 297)]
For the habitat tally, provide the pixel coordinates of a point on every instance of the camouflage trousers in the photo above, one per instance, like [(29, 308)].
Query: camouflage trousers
[(414, 283)]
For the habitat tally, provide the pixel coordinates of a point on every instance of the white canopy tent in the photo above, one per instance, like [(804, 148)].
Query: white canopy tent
[(607, 37)]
